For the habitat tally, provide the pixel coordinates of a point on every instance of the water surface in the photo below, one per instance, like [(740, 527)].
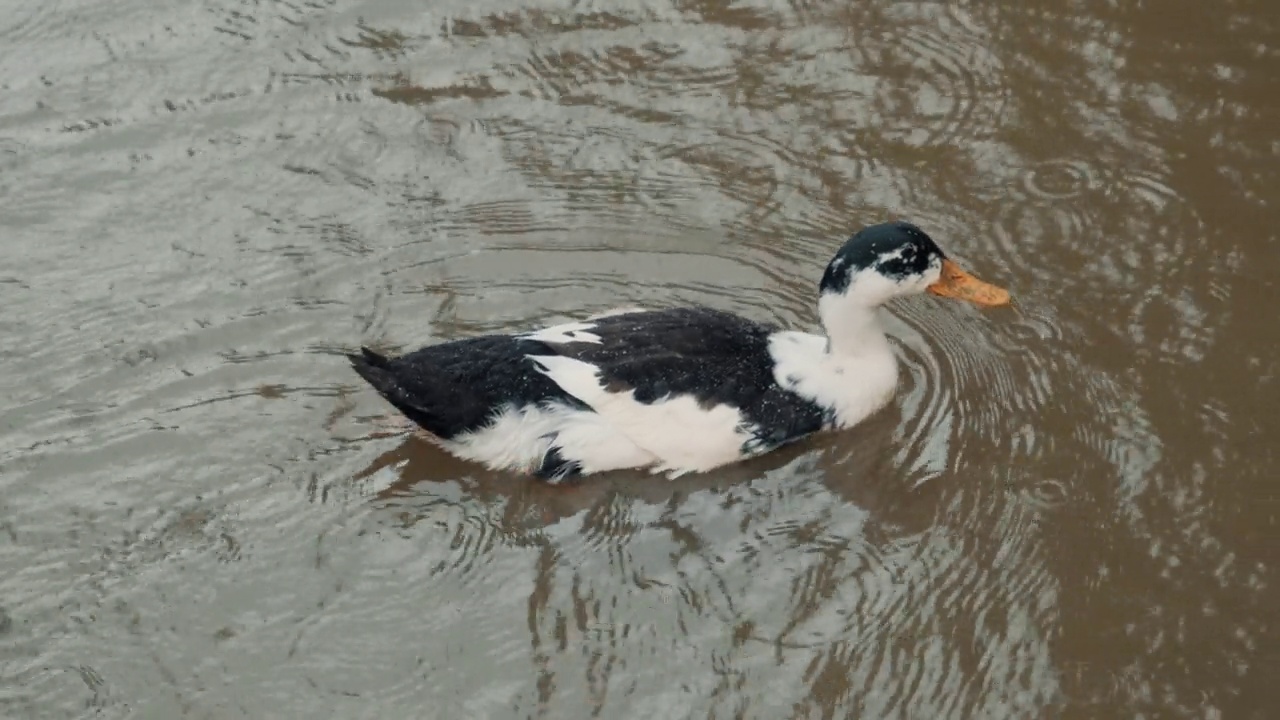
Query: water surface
[(1068, 512)]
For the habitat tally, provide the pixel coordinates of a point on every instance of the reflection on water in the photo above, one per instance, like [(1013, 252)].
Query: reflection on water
[(1066, 513)]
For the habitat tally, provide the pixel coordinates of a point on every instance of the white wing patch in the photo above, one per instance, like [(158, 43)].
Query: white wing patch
[(519, 438), (594, 443), (515, 439), (684, 436), (573, 332)]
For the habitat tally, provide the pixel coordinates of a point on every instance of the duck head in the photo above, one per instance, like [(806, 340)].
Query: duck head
[(881, 262)]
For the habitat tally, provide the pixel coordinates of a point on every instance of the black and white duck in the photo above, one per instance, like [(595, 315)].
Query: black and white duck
[(679, 390)]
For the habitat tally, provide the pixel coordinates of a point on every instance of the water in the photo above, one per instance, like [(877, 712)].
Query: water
[(1068, 512)]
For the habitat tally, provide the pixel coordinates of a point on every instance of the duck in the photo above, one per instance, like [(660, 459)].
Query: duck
[(677, 390)]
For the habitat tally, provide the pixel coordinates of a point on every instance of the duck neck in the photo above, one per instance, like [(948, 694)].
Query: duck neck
[(852, 328)]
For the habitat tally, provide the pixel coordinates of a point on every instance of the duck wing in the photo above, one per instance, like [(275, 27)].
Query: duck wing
[(457, 387), (694, 386)]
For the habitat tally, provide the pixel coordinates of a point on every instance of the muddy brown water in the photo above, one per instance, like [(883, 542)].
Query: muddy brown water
[(1068, 512)]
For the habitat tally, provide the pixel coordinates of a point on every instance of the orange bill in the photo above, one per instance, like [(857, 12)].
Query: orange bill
[(956, 283)]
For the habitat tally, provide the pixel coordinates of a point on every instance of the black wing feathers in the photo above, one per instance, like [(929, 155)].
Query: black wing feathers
[(457, 387), (713, 356)]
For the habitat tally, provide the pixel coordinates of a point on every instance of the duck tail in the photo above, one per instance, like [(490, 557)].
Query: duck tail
[(394, 386), (376, 370), (373, 368)]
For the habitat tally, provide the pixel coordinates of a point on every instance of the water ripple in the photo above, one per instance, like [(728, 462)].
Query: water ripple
[(209, 203)]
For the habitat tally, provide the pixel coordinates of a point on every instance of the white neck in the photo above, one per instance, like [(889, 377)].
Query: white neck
[(852, 373), (852, 327)]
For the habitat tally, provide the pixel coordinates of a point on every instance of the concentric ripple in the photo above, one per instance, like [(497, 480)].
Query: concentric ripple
[(1059, 180), (940, 80)]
